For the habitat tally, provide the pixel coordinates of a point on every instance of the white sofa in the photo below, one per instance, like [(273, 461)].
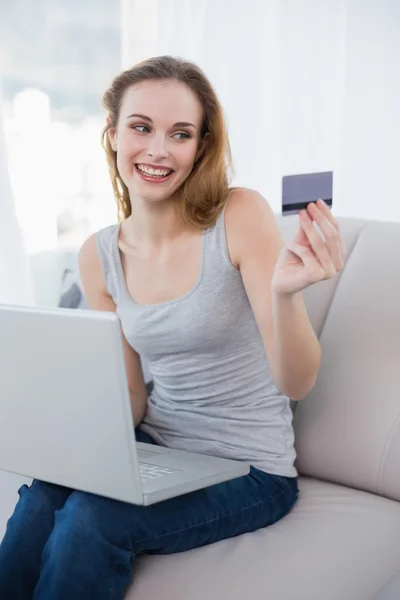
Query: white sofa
[(342, 539)]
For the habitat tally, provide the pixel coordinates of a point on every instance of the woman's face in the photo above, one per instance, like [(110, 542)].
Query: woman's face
[(157, 138)]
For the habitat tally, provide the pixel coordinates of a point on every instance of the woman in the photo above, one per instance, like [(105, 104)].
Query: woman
[(211, 298)]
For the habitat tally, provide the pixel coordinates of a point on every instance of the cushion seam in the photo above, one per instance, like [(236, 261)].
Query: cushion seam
[(385, 451)]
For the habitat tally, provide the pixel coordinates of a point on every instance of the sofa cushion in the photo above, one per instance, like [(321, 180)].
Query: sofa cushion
[(348, 428), (336, 544), (391, 591), (71, 294)]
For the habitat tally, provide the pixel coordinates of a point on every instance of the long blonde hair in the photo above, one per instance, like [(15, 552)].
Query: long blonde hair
[(205, 191)]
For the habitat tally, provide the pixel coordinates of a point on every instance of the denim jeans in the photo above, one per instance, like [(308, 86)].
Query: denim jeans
[(63, 544)]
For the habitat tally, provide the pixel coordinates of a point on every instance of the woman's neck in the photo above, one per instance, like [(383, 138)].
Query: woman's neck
[(153, 224)]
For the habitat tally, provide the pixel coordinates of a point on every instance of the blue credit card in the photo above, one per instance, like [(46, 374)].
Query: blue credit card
[(300, 190)]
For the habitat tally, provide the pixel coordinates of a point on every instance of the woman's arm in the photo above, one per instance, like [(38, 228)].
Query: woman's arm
[(254, 243), (296, 346), (98, 299)]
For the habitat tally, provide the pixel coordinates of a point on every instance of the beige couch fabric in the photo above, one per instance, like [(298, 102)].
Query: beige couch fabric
[(336, 544), (348, 429)]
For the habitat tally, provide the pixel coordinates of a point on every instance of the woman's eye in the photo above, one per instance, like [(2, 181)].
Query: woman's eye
[(140, 128), (184, 135)]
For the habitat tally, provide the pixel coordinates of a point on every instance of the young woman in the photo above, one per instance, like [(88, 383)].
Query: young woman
[(211, 298)]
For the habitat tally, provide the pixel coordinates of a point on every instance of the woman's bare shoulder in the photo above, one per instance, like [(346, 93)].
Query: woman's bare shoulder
[(91, 274), (248, 218)]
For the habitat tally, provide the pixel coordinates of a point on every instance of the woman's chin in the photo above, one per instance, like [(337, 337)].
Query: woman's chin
[(149, 193)]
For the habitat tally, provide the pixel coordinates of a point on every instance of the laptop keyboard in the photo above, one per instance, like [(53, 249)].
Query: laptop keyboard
[(148, 471)]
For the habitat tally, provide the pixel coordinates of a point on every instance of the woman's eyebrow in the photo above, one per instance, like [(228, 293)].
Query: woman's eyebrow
[(183, 124), (179, 124), (141, 117)]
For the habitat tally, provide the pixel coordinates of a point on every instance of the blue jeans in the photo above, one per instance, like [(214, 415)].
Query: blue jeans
[(63, 544)]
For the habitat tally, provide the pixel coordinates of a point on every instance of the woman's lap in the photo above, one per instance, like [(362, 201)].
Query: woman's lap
[(98, 537), (191, 520), (207, 515)]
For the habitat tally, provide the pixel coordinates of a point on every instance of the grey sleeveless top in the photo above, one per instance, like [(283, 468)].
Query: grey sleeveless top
[(213, 389)]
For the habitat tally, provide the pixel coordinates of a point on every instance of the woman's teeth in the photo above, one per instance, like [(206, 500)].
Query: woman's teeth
[(154, 172)]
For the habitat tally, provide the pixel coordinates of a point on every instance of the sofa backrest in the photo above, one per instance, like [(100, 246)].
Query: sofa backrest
[(47, 269), (348, 427)]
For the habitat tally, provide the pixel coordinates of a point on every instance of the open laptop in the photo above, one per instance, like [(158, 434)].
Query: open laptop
[(65, 413)]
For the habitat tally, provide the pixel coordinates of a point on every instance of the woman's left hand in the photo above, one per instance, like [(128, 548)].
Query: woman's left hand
[(308, 258)]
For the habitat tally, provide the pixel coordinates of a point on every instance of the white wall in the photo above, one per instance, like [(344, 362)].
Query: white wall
[(15, 288), (15, 281), (371, 126), (307, 85), (312, 62)]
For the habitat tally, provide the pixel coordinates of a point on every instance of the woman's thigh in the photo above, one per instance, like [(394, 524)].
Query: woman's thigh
[(189, 521), (219, 512)]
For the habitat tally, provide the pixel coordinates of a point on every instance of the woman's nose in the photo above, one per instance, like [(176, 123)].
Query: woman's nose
[(157, 147)]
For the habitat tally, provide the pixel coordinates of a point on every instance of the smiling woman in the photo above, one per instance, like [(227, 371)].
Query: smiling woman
[(164, 115), (160, 151), (210, 298)]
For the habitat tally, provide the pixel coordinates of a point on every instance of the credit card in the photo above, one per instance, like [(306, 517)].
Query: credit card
[(300, 190)]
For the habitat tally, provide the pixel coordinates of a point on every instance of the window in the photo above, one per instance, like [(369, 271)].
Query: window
[(57, 57)]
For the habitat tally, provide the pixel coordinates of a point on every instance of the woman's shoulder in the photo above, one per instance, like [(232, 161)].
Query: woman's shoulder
[(91, 249), (96, 264), (245, 206), (249, 219)]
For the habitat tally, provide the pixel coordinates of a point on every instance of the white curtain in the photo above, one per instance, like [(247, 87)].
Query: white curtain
[(15, 281), (307, 85)]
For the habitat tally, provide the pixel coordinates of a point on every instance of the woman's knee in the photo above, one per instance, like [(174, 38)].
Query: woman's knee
[(77, 515), (94, 517), (83, 526), (33, 515), (41, 498), (88, 516)]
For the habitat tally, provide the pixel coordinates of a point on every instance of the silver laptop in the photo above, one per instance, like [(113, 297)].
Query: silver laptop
[(65, 413)]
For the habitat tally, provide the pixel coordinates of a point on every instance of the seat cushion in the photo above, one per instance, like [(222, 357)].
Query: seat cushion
[(336, 544)]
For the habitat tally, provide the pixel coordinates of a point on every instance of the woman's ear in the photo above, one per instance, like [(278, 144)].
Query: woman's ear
[(112, 135)]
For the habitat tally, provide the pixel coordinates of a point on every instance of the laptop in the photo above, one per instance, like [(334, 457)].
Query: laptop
[(65, 413)]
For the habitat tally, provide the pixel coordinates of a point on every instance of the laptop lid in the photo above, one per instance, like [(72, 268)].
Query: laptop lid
[(65, 413)]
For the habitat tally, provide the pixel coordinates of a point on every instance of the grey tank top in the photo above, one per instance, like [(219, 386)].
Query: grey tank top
[(213, 389)]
